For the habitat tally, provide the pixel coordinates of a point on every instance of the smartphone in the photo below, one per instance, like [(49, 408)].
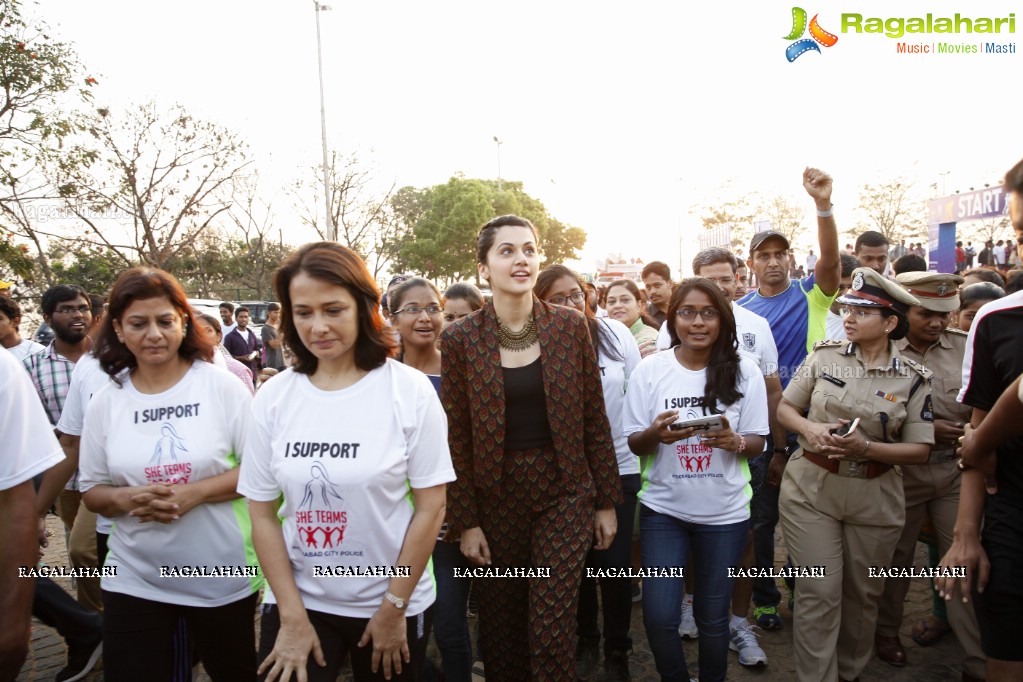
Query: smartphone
[(711, 423), (847, 429)]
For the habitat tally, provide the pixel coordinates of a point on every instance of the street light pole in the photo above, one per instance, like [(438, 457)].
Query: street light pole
[(323, 122), (498, 163)]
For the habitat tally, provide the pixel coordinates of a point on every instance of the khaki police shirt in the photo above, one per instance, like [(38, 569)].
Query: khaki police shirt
[(945, 359), (835, 383)]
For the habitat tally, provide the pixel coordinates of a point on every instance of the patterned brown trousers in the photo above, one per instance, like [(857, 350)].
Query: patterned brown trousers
[(529, 624)]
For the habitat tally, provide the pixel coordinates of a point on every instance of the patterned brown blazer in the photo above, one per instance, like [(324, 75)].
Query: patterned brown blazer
[(472, 391)]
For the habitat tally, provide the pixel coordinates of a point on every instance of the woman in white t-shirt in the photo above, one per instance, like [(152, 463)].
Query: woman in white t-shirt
[(696, 484), (617, 356), (159, 453), (346, 466)]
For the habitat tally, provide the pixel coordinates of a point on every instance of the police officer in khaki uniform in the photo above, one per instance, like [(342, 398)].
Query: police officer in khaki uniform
[(932, 488), (841, 503)]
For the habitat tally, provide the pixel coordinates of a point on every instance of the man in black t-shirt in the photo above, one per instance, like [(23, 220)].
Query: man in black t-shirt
[(994, 358)]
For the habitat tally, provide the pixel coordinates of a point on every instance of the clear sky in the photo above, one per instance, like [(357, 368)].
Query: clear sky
[(618, 116)]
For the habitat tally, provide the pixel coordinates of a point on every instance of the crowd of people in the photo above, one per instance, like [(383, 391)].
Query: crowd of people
[(553, 454)]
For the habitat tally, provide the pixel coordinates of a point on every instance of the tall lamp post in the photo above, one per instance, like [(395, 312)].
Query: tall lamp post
[(323, 122), (498, 163)]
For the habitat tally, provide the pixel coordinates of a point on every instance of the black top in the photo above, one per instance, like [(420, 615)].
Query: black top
[(525, 408), (655, 314), (997, 361)]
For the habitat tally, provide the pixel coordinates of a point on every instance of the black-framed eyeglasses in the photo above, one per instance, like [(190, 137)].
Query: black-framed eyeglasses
[(414, 310), (72, 309), (690, 314), (576, 296)]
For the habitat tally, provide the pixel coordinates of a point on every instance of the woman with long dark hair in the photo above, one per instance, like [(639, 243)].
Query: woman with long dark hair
[(532, 447), (159, 455), (696, 483), (618, 356), (355, 444)]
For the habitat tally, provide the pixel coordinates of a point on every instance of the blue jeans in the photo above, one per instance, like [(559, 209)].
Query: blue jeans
[(450, 626), (616, 593), (666, 541), (763, 519)]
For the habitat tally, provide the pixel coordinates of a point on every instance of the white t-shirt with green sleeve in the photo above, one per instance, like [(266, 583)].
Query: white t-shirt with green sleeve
[(346, 462), (192, 431), (687, 479)]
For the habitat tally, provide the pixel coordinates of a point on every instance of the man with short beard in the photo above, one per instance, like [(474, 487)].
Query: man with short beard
[(68, 311)]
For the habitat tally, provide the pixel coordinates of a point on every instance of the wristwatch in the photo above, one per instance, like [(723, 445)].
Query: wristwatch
[(398, 602)]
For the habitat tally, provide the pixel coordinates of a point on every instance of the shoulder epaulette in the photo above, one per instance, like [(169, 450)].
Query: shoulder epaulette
[(827, 343), (952, 331), (920, 369)]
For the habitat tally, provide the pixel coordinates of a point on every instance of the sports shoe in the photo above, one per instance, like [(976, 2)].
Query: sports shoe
[(587, 652), (687, 628), (616, 666), (767, 617), (81, 659), (744, 641)]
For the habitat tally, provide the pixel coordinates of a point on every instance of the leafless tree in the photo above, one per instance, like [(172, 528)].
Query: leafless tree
[(159, 182)]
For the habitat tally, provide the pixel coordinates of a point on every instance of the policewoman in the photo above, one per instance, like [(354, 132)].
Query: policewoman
[(932, 488), (841, 502)]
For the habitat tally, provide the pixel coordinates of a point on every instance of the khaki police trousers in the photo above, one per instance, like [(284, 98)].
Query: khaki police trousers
[(847, 525), (930, 489)]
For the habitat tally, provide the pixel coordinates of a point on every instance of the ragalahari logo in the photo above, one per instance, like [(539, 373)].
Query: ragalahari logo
[(817, 35)]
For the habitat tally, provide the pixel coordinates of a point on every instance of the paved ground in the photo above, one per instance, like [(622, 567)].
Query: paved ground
[(932, 664)]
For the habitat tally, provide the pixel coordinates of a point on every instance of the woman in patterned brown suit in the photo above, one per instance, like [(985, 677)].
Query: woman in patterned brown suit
[(532, 449)]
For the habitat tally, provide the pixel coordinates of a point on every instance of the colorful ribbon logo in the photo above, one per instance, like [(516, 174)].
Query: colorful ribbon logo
[(818, 35)]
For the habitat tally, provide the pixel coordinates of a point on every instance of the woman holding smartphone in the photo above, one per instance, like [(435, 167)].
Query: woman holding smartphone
[(841, 503), (696, 482)]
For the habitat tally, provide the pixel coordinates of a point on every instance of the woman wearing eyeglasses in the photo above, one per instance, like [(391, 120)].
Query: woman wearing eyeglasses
[(416, 314), (841, 505), (696, 483), (537, 475), (618, 356)]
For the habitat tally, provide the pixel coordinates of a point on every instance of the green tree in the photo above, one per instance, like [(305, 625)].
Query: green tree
[(448, 217), (444, 239), (42, 83), (95, 268)]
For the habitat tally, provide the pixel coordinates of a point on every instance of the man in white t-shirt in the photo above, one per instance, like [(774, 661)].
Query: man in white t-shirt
[(10, 338), (227, 318), (757, 343), (27, 449)]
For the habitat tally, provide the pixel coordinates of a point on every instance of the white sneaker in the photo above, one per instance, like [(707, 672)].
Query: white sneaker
[(687, 628), (744, 641)]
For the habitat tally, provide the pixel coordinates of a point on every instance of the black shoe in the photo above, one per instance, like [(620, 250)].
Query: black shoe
[(81, 659), (616, 666), (587, 653)]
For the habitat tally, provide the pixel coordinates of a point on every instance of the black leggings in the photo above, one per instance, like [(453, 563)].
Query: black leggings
[(339, 635), (138, 637)]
